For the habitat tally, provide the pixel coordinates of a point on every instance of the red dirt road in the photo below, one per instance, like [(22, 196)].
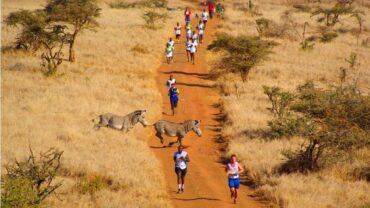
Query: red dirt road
[(206, 181)]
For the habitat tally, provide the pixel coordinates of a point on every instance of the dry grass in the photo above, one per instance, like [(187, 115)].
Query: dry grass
[(288, 67), (57, 111)]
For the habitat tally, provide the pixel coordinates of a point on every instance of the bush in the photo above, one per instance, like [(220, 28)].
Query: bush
[(279, 100), (92, 184), (330, 16), (152, 18), (334, 122), (288, 126), (242, 53), (28, 183), (328, 36), (138, 48), (145, 3), (302, 8)]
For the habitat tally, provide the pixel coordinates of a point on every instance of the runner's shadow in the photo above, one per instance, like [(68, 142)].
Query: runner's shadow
[(201, 75), (195, 85), (195, 199)]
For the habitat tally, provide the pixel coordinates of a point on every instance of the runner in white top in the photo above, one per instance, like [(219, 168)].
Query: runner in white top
[(188, 48), (181, 159), (170, 81), (194, 37), (205, 17), (171, 43), (193, 49), (188, 28), (169, 53), (178, 32), (233, 169), (200, 28)]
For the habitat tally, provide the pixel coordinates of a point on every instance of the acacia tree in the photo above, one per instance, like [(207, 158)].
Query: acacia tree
[(242, 53), (79, 15), (38, 34), (31, 24)]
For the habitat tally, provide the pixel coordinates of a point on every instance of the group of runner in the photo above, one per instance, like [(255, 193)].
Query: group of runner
[(193, 40), (194, 37)]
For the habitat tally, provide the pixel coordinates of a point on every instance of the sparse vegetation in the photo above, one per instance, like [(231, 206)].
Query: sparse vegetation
[(328, 36), (330, 16), (263, 141), (139, 4), (152, 19), (28, 183), (92, 184), (302, 7), (243, 53), (105, 78)]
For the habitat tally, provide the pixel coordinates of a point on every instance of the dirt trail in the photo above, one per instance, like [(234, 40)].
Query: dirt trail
[(206, 182)]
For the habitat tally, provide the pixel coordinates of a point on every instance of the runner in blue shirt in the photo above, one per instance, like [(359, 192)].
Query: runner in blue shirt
[(173, 92)]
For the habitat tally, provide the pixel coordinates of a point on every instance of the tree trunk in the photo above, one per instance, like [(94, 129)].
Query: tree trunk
[(72, 57)]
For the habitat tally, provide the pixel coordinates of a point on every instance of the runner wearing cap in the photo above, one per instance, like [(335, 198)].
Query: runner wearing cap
[(233, 169)]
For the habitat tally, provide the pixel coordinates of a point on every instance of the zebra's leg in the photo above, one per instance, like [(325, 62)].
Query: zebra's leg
[(180, 140), (159, 135), (177, 141)]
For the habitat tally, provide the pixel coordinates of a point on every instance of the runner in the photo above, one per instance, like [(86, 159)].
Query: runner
[(174, 99), (205, 17), (188, 28), (170, 82), (171, 43), (178, 32), (219, 9), (194, 37), (233, 170), (169, 53), (200, 28), (193, 49), (181, 158), (211, 9), (188, 49), (187, 14)]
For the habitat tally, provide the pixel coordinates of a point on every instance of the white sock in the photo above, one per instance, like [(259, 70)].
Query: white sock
[(179, 186), (182, 186)]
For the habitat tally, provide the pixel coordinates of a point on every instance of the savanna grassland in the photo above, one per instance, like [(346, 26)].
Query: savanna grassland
[(114, 72), (247, 108)]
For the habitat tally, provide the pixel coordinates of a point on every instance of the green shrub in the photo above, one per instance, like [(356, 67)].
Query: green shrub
[(122, 5), (242, 53), (302, 7), (152, 18), (333, 121), (28, 183), (138, 48), (328, 36), (279, 100), (288, 126), (144, 3), (91, 184)]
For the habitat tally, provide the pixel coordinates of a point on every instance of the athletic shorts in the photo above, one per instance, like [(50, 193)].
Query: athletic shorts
[(178, 35), (204, 21), (181, 171), (174, 103), (234, 182), (187, 19)]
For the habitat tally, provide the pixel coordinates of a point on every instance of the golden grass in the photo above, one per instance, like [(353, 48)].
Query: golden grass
[(57, 111), (288, 67)]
